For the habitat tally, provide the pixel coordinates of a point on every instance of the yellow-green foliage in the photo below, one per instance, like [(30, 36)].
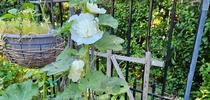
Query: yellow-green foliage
[(23, 26), (2, 25)]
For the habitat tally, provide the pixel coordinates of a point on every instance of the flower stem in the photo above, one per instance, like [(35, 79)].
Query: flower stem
[(44, 76), (87, 68)]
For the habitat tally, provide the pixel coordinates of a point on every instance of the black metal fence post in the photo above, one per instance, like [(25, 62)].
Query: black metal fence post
[(129, 36), (52, 13), (153, 90), (134, 88), (149, 25), (61, 13), (129, 39), (169, 47)]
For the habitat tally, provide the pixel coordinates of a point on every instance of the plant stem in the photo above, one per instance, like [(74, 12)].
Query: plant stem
[(87, 59), (44, 86), (87, 68)]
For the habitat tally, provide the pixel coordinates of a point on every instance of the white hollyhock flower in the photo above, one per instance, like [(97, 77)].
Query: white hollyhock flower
[(93, 8), (85, 30), (76, 70)]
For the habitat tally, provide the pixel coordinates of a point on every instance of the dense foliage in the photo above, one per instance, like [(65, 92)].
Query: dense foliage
[(9, 74)]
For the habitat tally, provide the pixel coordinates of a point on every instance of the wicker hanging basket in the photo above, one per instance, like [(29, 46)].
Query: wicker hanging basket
[(32, 51)]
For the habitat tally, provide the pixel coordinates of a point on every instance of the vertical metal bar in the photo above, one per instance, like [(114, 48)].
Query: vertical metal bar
[(113, 9), (54, 92), (134, 88), (153, 90), (142, 86), (53, 25), (97, 63), (52, 14), (129, 39), (37, 9), (129, 36), (72, 12), (149, 25), (61, 13), (204, 11), (169, 47)]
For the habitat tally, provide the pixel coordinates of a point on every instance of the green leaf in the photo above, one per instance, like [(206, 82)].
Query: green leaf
[(109, 42), (28, 6), (82, 52), (7, 16), (102, 85), (13, 11), (92, 80), (61, 64), (108, 20), (72, 91), (66, 53), (65, 29), (20, 91)]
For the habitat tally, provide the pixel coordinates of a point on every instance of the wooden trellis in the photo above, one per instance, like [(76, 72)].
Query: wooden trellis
[(148, 61)]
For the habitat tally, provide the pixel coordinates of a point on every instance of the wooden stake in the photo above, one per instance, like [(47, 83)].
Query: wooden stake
[(119, 72), (146, 75), (109, 63)]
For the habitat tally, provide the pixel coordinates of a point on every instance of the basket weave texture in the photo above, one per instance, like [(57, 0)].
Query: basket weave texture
[(34, 51)]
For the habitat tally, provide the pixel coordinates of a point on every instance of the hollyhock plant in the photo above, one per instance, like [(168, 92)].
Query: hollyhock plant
[(85, 30), (89, 30)]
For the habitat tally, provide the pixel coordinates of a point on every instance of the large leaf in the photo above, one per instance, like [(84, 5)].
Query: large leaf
[(108, 20), (66, 53), (72, 91), (109, 42), (92, 80), (20, 91), (62, 62), (101, 84)]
